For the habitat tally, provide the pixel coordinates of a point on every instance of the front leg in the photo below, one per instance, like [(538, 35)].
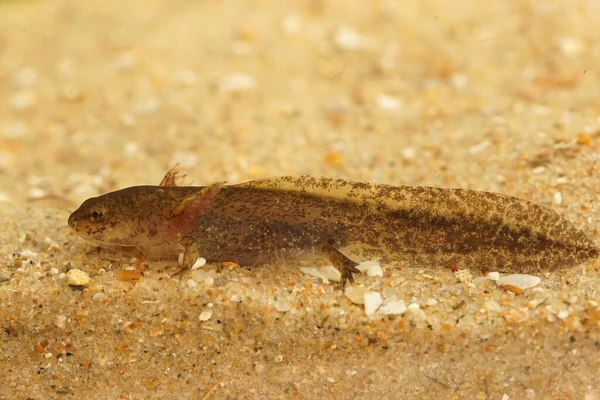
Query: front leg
[(191, 253), (346, 266)]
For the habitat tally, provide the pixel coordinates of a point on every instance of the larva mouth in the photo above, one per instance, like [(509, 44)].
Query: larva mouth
[(72, 222)]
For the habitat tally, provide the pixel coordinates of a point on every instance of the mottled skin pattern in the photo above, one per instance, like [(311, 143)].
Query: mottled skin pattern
[(270, 219)]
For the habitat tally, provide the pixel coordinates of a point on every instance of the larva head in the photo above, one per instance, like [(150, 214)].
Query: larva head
[(134, 216)]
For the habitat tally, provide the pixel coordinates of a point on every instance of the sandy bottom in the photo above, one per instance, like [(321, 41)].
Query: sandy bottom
[(99, 95)]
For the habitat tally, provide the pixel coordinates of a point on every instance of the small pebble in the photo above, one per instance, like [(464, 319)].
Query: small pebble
[(375, 271), (393, 308), (282, 306), (61, 321), (492, 305), (205, 315), (512, 289), (463, 275), (328, 273), (157, 331), (493, 276), (522, 281), (415, 311), (356, 294), (200, 262), (516, 315), (128, 275), (366, 265), (479, 147), (98, 297), (557, 198), (52, 245), (77, 277), (372, 302), (389, 293), (200, 275)]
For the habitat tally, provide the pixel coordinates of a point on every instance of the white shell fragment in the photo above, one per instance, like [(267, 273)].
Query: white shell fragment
[(375, 271), (372, 302), (328, 273), (431, 302), (200, 262), (521, 281), (493, 276), (395, 307), (366, 265), (372, 268), (77, 277)]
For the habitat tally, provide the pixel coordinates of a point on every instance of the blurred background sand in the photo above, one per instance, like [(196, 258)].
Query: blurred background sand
[(100, 95)]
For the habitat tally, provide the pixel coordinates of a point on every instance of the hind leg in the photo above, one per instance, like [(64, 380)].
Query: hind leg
[(346, 266)]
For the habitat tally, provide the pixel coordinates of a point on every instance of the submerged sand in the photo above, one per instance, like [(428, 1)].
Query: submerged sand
[(95, 96)]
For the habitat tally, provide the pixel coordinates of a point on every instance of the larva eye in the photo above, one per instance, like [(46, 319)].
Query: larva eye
[(96, 215)]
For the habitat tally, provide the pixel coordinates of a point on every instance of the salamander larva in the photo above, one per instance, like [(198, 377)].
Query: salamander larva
[(263, 220)]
